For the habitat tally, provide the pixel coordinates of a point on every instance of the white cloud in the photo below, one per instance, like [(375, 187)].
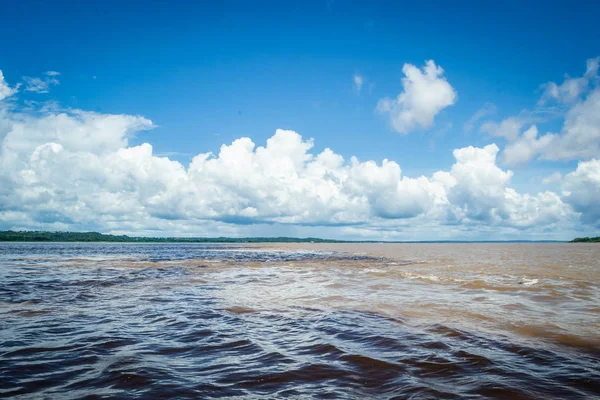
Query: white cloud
[(479, 191), (572, 88), (555, 177), (580, 136), (510, 128), (578, 140), (358, 82), (425, 94), (478, 186), (41, 85), (5, 89), (582, 190), (526, 147), (75, 169)]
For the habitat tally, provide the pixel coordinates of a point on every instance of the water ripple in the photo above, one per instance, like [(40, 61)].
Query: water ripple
[(125, 332)]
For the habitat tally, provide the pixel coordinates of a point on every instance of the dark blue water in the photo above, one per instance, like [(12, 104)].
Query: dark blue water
[(158, 321)]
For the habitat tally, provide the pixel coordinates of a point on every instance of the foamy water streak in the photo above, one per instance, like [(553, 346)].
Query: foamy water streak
[(298, 320)]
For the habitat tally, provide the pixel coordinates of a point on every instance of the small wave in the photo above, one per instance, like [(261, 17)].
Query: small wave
[(528, 282), (429, 277), (241, 310), (374, 270)]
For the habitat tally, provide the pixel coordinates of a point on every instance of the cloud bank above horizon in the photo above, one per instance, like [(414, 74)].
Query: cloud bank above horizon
[(72, 169)]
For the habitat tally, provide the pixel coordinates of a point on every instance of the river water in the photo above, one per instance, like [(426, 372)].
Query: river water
[(348, 321)]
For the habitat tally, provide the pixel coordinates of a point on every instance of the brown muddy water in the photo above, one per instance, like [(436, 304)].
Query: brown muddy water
[(348, 321)]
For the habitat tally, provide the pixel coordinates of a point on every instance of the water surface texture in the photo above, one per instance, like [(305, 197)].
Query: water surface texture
[(355, 321)]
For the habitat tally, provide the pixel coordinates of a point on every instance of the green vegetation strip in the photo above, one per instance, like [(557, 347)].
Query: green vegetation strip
[(586, 240), (38, 236), (42, 236)]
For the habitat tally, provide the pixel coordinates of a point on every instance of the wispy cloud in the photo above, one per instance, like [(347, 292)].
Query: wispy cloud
[(358, 82), (571, 89), (484, 111), (41, 85), (556, 177)]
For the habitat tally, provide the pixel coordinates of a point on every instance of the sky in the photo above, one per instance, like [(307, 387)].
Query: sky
[(373, 120)]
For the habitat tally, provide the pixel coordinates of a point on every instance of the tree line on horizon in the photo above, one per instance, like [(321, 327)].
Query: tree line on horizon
[(45, 236), (586, 240), (42, 236)]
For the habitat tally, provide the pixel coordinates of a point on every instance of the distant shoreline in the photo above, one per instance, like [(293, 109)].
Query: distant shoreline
[(89, 237), (586, 240), (43, 236)]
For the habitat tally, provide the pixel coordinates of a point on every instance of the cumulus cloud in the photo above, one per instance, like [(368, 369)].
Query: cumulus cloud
[(426, 93), (478, 191), (358, 82), (41, 85), (75, 169), (477, 186)]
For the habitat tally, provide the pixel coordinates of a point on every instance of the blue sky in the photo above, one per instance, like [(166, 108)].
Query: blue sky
[(208, 74)]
